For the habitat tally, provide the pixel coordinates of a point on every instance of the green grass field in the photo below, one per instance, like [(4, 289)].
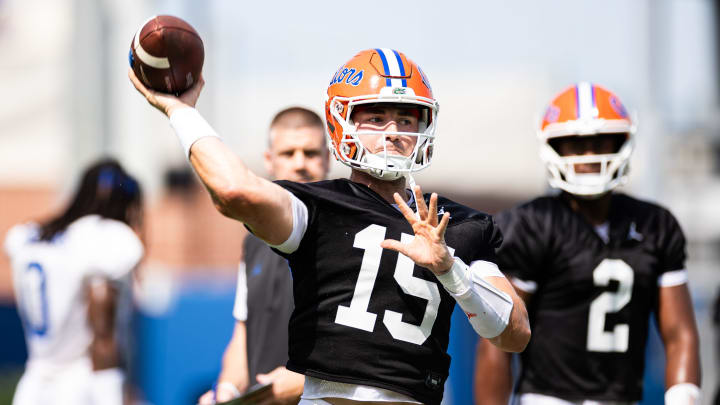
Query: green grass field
[(8, 380)]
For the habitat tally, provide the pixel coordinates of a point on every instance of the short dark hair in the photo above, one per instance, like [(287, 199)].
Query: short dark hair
[(105, 189), (297, 117)]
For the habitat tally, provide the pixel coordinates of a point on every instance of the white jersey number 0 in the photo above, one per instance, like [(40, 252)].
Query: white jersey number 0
[(357, 315), (34, 299), (616, 340)]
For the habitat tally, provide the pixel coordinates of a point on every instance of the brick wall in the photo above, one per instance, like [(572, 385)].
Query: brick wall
[(183, 231)]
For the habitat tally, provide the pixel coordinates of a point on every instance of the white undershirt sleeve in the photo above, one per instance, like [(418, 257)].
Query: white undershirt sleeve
[(17, 236), (300, 223), (488, 308), (240, 309), (111, 247), (527, 286)]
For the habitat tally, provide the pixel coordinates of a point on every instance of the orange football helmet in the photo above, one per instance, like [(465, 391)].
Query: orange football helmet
[(379, 76), (586, 109)]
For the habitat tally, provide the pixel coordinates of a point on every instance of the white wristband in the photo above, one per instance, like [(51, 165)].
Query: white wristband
[(683, 394), (488, 308), (190, 126), (456, 280)]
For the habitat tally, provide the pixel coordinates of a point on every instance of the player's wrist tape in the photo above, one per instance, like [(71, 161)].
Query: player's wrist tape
[(190, 126), (107, 386), (683, 394), (457, 279), (487, 308)]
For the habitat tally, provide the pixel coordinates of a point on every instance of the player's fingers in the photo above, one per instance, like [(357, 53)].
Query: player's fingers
[(404, 209), (191, 95), (264, 378), (420, 201), (394, 245), (432, 211), (139, 86), (206, 399), (224, 395), (150, 95), (443, 224)]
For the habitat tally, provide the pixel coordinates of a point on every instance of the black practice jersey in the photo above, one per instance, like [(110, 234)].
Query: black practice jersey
[(590, 310), (269, 303), (365, 315)]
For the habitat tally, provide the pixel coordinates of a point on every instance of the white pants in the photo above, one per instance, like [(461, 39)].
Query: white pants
[(539, 399), (69, 383)]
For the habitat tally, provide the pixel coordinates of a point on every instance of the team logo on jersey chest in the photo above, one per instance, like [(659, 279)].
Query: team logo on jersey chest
[(633, 234)]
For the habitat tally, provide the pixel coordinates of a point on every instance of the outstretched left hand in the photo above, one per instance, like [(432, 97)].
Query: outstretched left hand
[(428, 248)]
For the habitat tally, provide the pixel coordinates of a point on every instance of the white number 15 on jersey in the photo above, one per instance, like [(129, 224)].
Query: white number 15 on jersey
[(357, 314)]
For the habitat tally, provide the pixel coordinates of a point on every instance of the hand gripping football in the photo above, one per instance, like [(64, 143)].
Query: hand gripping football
[(167, 54)]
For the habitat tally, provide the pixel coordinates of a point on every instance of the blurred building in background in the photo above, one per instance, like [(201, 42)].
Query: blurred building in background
[(66, 100)]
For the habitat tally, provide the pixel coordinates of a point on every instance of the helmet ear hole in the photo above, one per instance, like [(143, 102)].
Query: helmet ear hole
[(424, 154), (554, 144), (424, 121), (420, 158)]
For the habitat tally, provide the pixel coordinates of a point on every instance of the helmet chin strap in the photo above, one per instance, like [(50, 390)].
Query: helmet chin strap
[(411, 181), (412, 184), (408, 178)]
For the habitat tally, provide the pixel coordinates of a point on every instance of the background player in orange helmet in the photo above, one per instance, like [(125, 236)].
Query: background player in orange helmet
[(369, 324), (592, 265)]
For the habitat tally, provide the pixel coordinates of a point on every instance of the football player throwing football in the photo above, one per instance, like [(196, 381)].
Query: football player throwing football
[(376, 271)]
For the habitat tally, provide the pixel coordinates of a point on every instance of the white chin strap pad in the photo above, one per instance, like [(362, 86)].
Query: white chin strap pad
[(487, 308), (390, 168)]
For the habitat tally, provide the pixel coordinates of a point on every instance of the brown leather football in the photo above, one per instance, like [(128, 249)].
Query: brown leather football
[(167, 54)]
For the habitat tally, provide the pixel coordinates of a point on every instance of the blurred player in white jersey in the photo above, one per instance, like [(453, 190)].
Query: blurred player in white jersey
[(66, 274)]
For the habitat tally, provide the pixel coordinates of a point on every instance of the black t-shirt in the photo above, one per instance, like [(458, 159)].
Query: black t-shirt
[(589, 314), (269, 303), (364, 315)]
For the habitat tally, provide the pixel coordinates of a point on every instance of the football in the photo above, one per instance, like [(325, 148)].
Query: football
[(167, 54)]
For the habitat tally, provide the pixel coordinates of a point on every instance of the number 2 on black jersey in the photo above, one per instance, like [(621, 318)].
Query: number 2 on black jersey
[(598, 339), (357, 315)]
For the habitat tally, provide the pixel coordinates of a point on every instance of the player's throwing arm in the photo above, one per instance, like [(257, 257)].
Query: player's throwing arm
[(236, 191)]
